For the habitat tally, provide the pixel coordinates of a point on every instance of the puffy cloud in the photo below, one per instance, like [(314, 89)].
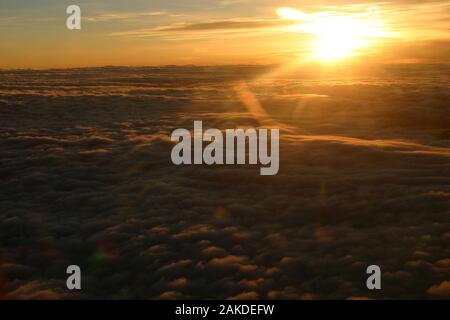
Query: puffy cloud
[(250, 295), (441, 290)]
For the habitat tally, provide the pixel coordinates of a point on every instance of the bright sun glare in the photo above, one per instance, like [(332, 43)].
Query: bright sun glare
[(336, 36)]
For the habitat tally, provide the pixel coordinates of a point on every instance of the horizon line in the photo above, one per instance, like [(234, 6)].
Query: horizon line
[(200, 66)]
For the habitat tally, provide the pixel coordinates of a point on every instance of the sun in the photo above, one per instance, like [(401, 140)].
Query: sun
[(335, 36)]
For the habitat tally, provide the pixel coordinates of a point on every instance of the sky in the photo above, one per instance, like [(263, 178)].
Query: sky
[(33, 34)]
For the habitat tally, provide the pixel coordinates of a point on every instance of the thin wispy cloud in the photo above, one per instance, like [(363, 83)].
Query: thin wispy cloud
[(431, 17), (131, 16), (208, 27)]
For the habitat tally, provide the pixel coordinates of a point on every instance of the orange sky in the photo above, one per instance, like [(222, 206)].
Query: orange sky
[(34, 34)]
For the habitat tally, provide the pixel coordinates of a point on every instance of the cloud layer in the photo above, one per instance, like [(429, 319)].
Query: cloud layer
[(87, 179)]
